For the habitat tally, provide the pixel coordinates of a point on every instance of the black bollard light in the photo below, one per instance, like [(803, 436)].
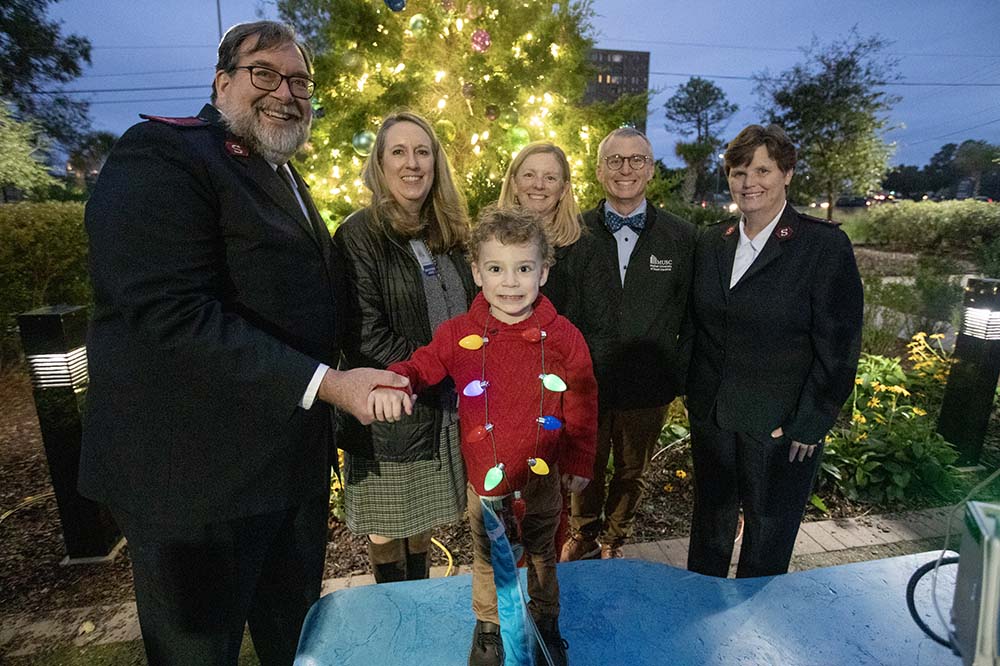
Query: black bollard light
[(972, 382), (53, 340)]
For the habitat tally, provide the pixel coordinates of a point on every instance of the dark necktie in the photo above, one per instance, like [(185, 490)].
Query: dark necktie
[(614, 221), (286, 178)]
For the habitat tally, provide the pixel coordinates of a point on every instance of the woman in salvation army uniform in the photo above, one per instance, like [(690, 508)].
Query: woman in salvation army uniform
[(776, 312), (407, 274)]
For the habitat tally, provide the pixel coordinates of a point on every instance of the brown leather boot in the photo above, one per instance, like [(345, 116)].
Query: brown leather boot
[(418, 561)]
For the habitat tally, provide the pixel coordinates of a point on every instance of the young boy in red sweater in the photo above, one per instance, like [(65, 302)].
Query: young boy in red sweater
[(528, 411)]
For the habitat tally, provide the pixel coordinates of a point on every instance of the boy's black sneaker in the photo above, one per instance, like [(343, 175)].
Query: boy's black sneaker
[(548, 627), (487, 646)]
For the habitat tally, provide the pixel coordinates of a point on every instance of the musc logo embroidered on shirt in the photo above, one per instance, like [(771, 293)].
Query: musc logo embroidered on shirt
[(660, 264)]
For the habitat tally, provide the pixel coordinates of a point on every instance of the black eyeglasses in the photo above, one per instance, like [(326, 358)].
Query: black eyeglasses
[(615, 162), (264, 78)]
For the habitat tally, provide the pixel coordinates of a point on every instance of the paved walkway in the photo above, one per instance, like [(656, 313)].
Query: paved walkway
[(96, 625)]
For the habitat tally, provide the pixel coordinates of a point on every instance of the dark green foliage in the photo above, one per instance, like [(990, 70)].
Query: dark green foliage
[(43, 261)]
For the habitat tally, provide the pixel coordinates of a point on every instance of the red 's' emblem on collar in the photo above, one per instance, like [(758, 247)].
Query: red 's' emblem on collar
[(784, 232), (729, 231), (237, 149)]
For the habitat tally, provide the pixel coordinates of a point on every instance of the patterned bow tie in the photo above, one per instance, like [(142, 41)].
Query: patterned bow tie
[(613, 221)]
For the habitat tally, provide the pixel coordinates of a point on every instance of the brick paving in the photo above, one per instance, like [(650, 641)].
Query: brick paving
[(99, 625)]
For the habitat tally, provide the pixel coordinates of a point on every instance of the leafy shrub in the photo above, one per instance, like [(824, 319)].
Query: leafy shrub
[(43, 261), (885, 447), (896, 305), (913, 226)]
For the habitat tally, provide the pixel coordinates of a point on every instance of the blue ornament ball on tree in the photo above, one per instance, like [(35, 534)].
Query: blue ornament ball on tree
[(396, 5)]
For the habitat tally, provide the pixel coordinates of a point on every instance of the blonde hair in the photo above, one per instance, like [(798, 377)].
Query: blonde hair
[(443, 218), (564, 229), (510, 226)]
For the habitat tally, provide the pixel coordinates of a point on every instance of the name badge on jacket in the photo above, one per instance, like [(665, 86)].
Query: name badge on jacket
[(660, 265)]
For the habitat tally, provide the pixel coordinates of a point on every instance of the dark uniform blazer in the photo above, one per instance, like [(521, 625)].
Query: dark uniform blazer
[(781, 347), (214, 301), (641, 366)]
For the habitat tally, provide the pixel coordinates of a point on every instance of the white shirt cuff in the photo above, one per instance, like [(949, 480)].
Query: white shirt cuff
[(309, 397)]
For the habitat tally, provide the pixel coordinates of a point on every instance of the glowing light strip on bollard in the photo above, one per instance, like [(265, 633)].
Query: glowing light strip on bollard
[(981, 323), (67, 370)]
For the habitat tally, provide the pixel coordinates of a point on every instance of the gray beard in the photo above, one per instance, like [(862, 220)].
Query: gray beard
[(275, 144)]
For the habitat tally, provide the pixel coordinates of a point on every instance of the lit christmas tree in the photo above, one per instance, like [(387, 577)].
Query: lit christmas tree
[(490, 76)]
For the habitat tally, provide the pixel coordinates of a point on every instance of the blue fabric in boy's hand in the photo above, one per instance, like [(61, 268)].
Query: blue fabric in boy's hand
[(511, 604)]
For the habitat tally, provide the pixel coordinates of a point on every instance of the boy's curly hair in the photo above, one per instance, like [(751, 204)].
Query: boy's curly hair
[(510, 226)]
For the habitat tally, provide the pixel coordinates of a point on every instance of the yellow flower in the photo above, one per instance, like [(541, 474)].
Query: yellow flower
[(937, 336), (862, 437), (898, 390), (859, 417), (919, 335), (681, 474), (874, 402), (878, 387), (859, 381), (879, 419), (919, 412), (669, 487)]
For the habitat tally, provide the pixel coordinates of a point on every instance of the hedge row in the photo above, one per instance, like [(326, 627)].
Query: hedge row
[(43, 261), (918, 226)]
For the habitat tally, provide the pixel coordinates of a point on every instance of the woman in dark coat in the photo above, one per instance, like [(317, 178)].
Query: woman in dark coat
[(407, 274), (776, 319)]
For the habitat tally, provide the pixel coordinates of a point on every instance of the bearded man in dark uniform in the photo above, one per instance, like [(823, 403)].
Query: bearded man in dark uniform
[(208, 428)]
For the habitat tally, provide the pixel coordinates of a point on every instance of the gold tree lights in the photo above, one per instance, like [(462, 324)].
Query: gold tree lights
[(490, 76)]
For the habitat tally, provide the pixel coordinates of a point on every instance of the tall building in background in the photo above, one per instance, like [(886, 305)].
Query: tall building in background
[(618, 73)]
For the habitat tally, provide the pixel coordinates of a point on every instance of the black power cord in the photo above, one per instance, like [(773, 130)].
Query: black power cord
[(911, 605)]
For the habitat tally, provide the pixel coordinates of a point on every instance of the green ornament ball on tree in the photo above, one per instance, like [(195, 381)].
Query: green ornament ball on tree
[(519, 137), (363, 142), (446, 130)]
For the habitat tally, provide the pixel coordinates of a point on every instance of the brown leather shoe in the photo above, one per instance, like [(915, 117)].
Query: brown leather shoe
[(612, 552), (579, 547)]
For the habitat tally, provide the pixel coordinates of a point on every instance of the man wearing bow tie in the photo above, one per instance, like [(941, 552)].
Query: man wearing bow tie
[(644, 258)]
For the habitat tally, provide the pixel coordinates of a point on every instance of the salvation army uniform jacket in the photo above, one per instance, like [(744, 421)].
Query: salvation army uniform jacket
[(642, 366), (781, 347), (215, 300)]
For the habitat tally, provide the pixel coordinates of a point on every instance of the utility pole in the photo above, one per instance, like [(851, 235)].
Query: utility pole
[(218, 16)]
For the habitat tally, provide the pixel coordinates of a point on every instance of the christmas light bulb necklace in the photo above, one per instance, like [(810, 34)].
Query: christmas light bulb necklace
[(480, 387)]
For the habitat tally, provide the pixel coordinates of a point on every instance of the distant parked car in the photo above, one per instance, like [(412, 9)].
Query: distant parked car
[(851, 202)]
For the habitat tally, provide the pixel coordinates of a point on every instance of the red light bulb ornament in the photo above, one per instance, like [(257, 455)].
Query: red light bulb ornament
[(533, 334), (479, 433)]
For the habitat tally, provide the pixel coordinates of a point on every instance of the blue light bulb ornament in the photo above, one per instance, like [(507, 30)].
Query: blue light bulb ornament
[(538, 466), (493, 477), (553, 383), (396, 5), (475, 388), (550, 422)]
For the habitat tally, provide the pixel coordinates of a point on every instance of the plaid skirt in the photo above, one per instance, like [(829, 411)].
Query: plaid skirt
[(401, 499)]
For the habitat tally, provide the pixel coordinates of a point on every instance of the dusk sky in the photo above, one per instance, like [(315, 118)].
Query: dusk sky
[(151, 43)]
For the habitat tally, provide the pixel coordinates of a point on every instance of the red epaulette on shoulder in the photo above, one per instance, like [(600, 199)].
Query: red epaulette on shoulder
[(190, 121)]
